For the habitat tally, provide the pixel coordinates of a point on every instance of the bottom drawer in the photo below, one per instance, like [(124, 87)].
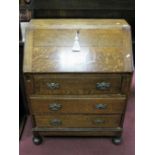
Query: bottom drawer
[(75, 121)]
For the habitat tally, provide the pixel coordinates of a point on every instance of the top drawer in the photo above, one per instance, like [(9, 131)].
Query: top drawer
[(77, 84)]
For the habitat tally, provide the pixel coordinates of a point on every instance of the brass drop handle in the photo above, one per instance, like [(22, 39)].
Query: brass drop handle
[(53, 85), (98, 121), (102, 85), (101, 106), (55, 106), (56, 122)]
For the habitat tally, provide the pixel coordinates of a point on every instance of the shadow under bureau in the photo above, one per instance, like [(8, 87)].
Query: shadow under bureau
[(77, 76)]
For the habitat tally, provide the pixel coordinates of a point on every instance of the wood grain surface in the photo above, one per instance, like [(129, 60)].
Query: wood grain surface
[(74, 121), (105, 46), (70, 105), (76, 84)]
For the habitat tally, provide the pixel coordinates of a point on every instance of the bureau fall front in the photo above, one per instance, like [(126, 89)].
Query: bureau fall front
[(77, 76)]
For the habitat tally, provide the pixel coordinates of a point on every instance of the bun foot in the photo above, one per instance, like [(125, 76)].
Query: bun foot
[(117, 140), (37, 140)]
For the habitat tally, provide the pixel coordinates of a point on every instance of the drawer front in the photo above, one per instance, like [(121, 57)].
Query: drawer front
[(74, 121), (77, 84), (77, 105)]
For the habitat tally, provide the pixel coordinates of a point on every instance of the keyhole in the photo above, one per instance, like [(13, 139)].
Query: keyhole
[(78, 32)]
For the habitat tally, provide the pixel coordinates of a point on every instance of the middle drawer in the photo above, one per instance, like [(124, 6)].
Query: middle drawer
[(77, 105)]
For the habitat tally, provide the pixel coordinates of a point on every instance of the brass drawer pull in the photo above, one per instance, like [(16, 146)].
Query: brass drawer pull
[(55, 106), (101, 106), (102, 85), (56, 122), (98, 121), (53, 85)]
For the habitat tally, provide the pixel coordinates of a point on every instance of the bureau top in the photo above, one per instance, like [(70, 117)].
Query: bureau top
[(78, 45)]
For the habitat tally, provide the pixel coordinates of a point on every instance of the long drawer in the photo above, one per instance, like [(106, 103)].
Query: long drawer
[(75, 121), (77, 84), (94, 105)]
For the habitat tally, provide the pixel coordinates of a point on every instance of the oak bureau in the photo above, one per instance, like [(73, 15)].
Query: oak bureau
[(77, 75)]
